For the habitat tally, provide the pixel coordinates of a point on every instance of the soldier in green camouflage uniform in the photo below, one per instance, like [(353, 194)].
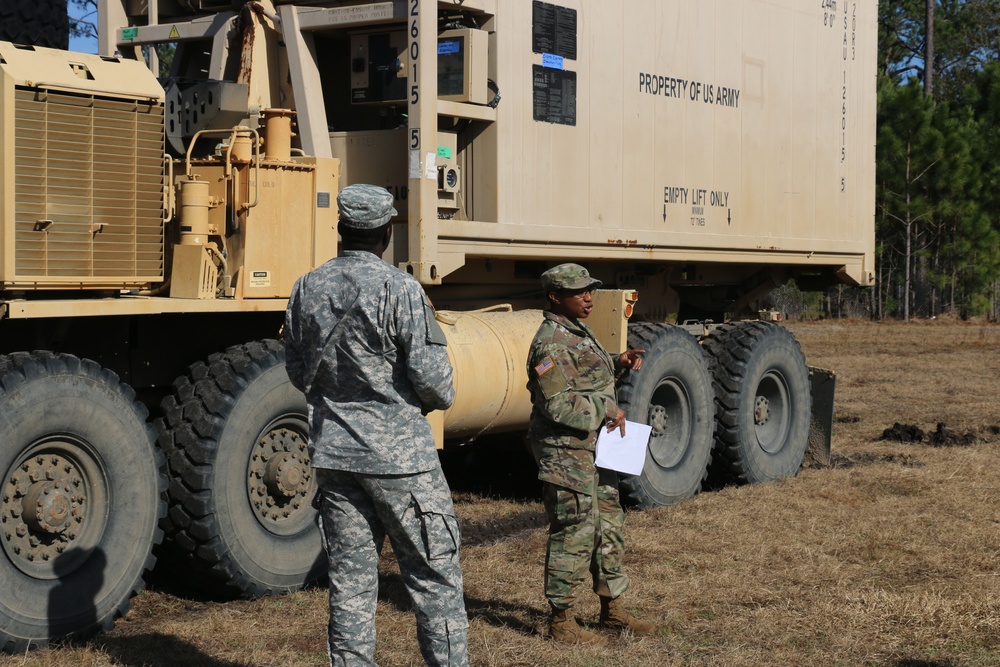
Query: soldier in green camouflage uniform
[(361, 342), (572, 383)]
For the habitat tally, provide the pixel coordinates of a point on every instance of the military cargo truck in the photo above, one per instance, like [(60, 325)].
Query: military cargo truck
[(693, 154)]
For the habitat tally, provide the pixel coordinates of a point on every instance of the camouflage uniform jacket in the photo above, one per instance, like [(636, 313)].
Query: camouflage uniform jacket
[(361, 342), (572, 383)]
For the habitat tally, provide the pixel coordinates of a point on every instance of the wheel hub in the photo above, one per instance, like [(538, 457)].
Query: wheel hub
[(279, 477), (761, 410), (43, 507), (284, 475), (658, 419)]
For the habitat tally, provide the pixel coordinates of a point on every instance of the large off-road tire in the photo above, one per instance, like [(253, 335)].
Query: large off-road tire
[(763, 400), (673, 393), (82, 487), (241, 487), (35, 22)]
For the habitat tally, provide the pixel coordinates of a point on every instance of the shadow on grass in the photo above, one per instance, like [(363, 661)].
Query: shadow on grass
[(499, 613), (916, 662), (176, 575), (502, 614), (490, 531), (159, 650)]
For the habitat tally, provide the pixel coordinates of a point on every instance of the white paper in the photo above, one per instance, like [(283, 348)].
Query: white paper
[(628, 454)]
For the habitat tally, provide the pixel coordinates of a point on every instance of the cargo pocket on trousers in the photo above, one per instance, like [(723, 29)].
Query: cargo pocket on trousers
[(566, 507), (438, 527)]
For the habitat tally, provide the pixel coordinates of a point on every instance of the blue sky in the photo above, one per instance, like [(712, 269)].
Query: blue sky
[(77, 43)]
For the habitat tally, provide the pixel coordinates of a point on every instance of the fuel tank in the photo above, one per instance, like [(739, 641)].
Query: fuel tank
[(488, 350)]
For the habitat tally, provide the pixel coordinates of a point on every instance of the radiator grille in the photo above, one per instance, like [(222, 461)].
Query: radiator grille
[(88, 190)]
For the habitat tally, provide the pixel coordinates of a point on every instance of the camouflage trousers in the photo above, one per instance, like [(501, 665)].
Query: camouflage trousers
[(415, 511), (585, 525)]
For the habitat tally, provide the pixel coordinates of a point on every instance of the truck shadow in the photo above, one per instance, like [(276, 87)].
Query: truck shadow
[(158, 650), (497, 466)]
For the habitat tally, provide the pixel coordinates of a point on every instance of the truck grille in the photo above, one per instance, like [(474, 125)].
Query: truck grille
[(88, 191)]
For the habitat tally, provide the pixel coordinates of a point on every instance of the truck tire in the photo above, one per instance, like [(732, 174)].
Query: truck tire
[(83, 489), (763, 400), (241, 487), (35, 22), (673, 393)]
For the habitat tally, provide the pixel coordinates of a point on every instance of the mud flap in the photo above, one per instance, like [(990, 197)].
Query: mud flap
[(822, 385)]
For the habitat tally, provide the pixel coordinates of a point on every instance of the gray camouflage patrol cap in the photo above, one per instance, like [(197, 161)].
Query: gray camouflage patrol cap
[(365, 206), (568, 277)]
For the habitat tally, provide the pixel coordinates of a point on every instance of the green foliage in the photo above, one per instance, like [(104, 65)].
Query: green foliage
[(796, 304), (938, 204), (966, 38)]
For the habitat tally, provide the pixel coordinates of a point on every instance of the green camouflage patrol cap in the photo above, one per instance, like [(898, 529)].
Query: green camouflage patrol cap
[(365, 206), (568, 277)]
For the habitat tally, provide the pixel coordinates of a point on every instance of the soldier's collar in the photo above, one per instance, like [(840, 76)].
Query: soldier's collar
[(576, 326), (362, 254)]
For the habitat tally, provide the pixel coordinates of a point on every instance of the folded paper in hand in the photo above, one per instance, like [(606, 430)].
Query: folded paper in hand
[(626, 454)]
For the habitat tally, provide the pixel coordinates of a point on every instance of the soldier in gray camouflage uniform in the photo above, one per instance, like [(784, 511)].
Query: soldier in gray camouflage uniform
[(362, 343), (571, 378)]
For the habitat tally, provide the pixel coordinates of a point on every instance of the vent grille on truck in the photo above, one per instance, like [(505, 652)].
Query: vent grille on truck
[(88, 191)]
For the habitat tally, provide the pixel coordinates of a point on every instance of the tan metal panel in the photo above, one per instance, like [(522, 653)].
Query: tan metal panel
[(603, 196), (749, 139), (128, 305), (81, 191), (278, 232), (81, 200)]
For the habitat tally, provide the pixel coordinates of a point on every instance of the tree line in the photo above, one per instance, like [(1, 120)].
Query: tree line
[(937, 209), (938, 138)]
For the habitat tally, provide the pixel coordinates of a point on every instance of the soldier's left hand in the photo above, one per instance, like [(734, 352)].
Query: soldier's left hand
[(631, 359), (617, 422)]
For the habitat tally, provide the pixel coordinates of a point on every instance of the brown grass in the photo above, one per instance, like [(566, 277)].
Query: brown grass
[(888, 558)]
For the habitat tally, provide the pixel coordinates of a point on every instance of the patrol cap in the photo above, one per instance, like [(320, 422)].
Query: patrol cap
[(568, 277), (365, 206)]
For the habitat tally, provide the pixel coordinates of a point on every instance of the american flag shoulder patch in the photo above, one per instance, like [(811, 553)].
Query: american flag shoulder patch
[(544, 367)]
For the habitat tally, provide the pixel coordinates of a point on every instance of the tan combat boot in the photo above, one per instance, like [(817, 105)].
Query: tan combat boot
[(564, 628), (614, 617)]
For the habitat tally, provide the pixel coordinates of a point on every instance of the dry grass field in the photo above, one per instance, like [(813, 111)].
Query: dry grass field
[(890, 557)]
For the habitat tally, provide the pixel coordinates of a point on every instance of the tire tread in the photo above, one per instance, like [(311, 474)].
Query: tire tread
[(730, 349), (646, 335), (21, 368), (190, 431)]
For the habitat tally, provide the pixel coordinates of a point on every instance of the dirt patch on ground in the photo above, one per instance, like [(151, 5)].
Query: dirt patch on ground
[(945, 437), (908, 433), (941, 436)]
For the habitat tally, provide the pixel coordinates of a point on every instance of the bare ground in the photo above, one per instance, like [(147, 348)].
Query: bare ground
[(888, 557)]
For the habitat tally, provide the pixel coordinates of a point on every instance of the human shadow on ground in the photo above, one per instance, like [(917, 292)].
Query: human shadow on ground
[(499, 613), (158, 650)]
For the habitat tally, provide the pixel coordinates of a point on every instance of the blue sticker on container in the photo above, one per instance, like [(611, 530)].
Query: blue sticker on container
[(452, 46), (552, 61)]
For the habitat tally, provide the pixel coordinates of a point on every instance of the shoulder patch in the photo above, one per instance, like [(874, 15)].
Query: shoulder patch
[(545, 366)]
